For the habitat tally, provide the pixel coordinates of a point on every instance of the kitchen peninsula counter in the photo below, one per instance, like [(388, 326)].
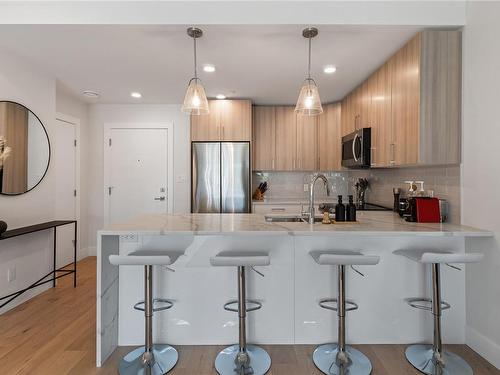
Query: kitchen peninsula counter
[(292, 286), (369, 223)]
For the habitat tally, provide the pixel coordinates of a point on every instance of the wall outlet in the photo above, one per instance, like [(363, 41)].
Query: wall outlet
[(180, 179), (128, 238), (11, 274), (306, 187)]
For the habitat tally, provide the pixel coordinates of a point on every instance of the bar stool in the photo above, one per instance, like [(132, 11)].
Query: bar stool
[(149, 359), (432, 359), (242, 359), (339, 358)]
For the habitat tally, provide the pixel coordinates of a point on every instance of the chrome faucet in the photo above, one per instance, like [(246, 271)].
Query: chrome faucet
[(315, 178)]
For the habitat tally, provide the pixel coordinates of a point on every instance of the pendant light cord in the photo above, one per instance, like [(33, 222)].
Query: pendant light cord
[(195, 68), (309, 61)]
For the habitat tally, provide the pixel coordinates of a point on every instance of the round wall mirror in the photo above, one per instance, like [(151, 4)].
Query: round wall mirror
[(24, 149)]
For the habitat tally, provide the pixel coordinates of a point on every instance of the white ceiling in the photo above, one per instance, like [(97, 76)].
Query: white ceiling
[(264, 63)]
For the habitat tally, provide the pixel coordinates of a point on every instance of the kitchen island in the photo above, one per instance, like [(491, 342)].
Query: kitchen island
[(291, 288)]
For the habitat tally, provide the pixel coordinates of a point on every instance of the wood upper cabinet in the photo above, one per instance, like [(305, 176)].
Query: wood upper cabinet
[(329, 137), (405, 66), (307, 139), (207, 127), (228, 120), (365, 101), (381, 117), (264, 138), (236, 120), (286, 139), (441, 100), (412, 103)]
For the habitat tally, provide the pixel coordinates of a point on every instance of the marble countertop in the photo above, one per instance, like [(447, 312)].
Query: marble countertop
[(369, 223)]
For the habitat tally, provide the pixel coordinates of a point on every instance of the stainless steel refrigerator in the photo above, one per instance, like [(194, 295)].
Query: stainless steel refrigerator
[(220, 177)]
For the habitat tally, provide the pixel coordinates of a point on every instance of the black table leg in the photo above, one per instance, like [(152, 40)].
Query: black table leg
[(54, 259), (74, 264)]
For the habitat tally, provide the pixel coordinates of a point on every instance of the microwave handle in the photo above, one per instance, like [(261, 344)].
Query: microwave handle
[(354, 148)]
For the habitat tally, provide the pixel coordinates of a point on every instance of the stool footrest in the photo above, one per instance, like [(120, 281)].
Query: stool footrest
[(332, 304), (251, 305), (425, 303), (159, 304)]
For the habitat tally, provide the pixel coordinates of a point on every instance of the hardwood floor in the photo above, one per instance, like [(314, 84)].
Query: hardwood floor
[(54, 333)]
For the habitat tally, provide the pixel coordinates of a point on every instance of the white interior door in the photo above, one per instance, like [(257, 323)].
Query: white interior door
[(64, 153), (138, 170)]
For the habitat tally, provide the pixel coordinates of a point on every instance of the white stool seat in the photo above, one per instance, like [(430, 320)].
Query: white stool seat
[(240, 259), (343, 258), (437, 256), (146, 258)]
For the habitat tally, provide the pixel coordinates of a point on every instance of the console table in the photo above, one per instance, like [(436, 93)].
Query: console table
[(56, 273)]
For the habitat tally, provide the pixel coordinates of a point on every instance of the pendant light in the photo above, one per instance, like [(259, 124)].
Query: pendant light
[(309, 103), (195, 101)]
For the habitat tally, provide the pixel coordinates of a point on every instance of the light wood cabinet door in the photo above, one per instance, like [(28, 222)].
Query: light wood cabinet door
[(330, 137), (264, 135), (207, 127), (381, 117), (307, 139), (440, 103), (405, 66), (356, 107), (286, 139), (348, 114), (365, 102), (236, 120)]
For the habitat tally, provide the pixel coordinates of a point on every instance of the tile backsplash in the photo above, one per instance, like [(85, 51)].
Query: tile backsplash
[(290, 185), (444, 181)]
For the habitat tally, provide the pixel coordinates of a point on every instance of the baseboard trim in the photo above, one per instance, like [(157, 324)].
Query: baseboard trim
[(91, 251), (484, 346)]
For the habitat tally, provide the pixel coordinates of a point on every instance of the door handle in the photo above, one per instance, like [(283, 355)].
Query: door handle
[(354, 148), (159, 198)]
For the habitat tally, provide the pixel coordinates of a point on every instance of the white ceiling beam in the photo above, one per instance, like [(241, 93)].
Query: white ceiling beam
[(414, 13)]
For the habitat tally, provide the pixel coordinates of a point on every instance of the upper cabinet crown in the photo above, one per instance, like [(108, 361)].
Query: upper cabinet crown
[(412, 103), (228, 120)]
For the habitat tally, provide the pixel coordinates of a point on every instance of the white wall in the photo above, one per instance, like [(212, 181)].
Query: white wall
[(31, 254), (305, 12), (481, 177), (69, 105), (136, 113)]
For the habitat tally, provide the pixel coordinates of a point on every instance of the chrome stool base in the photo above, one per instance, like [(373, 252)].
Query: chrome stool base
[(164, 359), (259, 364), (325, 356), (421, 357)]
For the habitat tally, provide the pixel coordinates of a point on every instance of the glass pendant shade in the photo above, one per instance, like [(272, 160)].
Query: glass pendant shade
[(309, 103), (195, 101)]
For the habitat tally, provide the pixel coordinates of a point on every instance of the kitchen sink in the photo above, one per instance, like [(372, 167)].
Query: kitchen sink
[(290, 219)]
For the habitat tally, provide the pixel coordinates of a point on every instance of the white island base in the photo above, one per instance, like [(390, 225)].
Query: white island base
[(290, 291)]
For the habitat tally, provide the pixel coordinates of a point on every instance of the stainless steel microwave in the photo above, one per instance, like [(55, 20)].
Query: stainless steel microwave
[(356, 149)]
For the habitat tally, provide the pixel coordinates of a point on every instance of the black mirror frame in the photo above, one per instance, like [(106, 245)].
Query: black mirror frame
[(48, 143)]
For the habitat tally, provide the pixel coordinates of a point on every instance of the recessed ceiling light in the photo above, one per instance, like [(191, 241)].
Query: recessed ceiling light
[(329, 69), (221, 96), (91, 94), (136, 95), (209, 68)]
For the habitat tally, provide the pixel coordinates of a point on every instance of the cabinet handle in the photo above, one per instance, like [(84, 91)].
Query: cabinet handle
[(293, 163), (372, 159), (278, 209), (272, 164), (393, 154)]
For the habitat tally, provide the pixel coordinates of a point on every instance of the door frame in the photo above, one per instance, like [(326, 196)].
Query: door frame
[(108, 127), (76, 122)]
